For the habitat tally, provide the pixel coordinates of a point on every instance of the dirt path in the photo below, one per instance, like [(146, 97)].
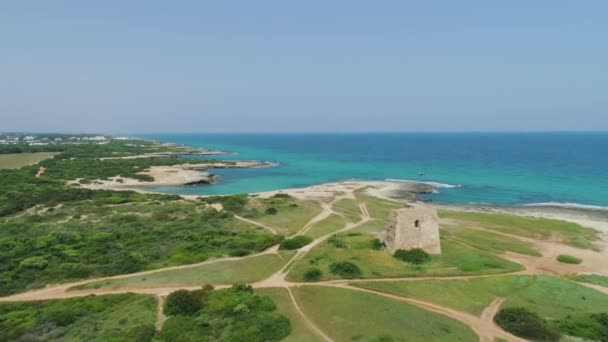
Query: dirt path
[(40, 171), (160, 316), (61, 291), (256, 224), (593, 261), (484, 325), (486, 330), (311, 325), (327, 210)]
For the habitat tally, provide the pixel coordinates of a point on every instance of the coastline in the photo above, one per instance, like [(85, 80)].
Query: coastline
[(400, 190), (174, 175)]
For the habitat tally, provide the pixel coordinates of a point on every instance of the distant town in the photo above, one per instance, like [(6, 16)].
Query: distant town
[(48, 139)]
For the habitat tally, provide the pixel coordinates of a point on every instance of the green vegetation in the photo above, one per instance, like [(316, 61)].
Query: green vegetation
[(568, 259), (291, 214), (489, 241), (456, 259), (221, 272), (536, 293), (414, 256), (349, 208), (576, 304), (592, 327), (105, 318), (378, 208), (344, 269), (235, 314), (20, 189), (232, 203), (538, 228), (328, 225), (592, 279), (296, 242), (300, 332), (313, 274), (347, 315), (182, 302), (524, 323), (82, 239), (17, 160)]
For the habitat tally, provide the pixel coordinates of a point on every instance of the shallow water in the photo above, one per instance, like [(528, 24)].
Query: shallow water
[(497, 168)]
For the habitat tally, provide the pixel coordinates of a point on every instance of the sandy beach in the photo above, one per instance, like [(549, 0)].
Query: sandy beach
[(174, 175)]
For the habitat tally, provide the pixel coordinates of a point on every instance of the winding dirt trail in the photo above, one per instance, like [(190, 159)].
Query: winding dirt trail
[(308, 322), (484, 325), (486, 329), (255, 223)]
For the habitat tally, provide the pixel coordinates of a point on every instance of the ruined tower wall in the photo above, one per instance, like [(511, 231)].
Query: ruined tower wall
[(413, 227)]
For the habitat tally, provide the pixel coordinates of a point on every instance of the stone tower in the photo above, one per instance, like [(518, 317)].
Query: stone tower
[(416, 226)]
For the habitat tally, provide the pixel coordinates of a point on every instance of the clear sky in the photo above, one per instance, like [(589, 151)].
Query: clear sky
[(284, 66)]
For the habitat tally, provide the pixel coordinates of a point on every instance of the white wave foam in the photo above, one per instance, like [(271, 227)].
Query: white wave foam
[(566, 205), (433, 184)]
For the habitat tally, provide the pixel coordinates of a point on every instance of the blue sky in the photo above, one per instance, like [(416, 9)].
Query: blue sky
[(233, 66)]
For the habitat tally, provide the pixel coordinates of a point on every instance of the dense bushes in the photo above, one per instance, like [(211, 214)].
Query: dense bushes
[(345, 269), (235, 314), (592, 327), (313, 274), (232, 203), (414, 256), (524, 323), (124, 317), (182, 302), (86, 239), (295, 242)]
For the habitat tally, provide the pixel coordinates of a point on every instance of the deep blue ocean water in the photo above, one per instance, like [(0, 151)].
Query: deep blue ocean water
[(497, 168)]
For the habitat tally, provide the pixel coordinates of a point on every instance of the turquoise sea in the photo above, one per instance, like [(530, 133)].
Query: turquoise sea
[(496, 168)]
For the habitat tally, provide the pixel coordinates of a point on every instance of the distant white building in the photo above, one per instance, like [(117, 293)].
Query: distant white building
[(29, 137)]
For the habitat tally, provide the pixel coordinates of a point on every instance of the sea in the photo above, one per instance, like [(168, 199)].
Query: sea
[(569, 169)]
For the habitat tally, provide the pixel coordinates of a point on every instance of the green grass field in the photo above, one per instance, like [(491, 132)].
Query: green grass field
[(488, 241), (291, 217), (348, 315), (551, 297), (349, 208), (224, 272), (456, 259), (592, 279), (125, 317), (328, 225), (538, 228), (379, 208), (299, 330), (17, 160)]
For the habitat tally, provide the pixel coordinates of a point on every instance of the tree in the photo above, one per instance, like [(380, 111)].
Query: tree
[(182, 302)]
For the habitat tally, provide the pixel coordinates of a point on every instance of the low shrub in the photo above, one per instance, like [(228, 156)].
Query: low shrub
[(593, 327), (568, 259), (295, 242), (524, 323), (337, 241), (345, 269), (313, 274), (376, 244), (182, 302), (415, 256), (142, 333), (271, 211)]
